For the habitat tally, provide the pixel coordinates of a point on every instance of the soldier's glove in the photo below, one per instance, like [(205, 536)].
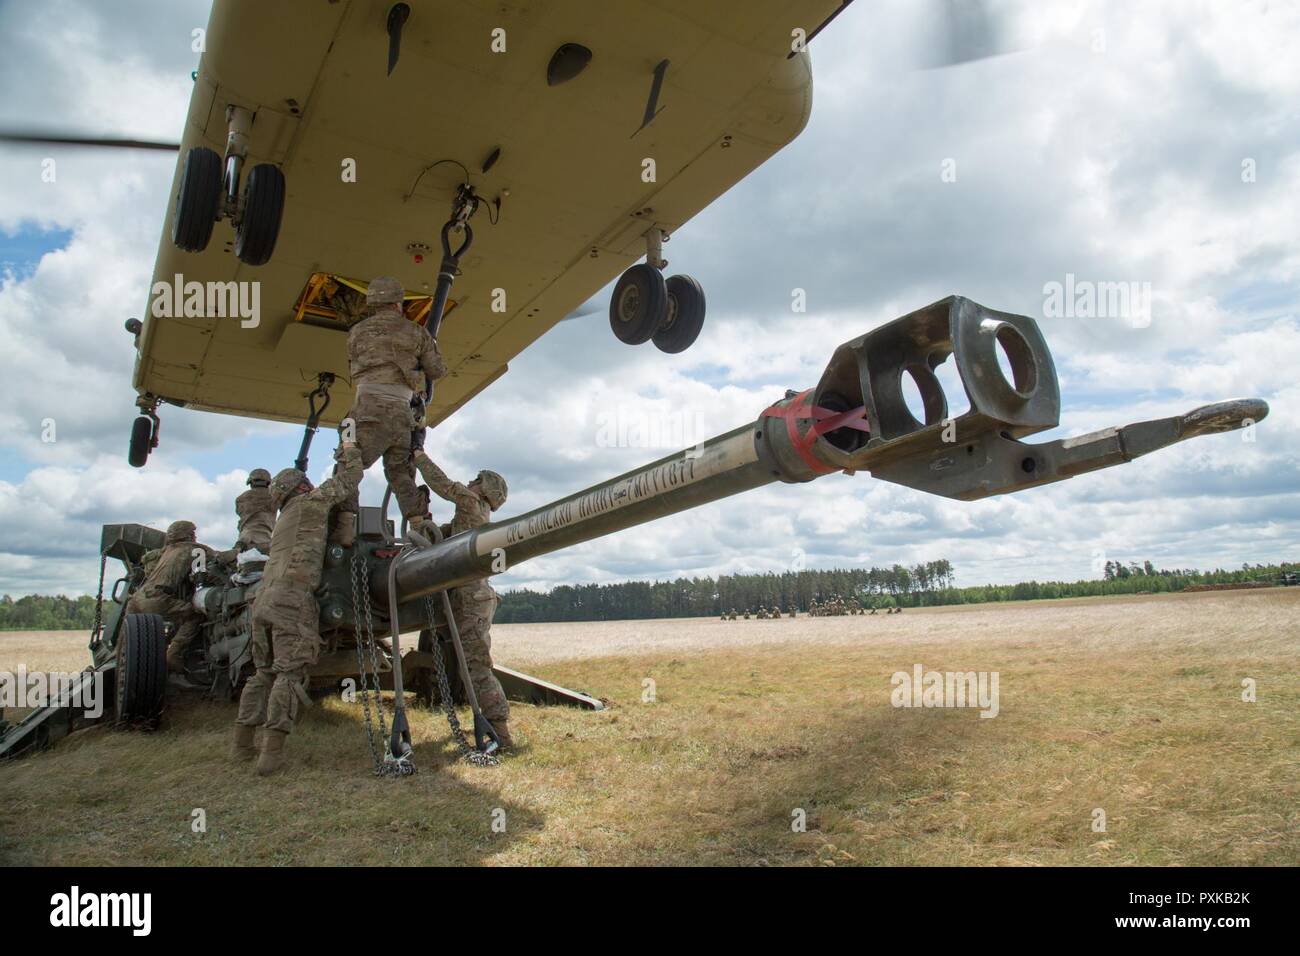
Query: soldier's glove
[(417, 438)]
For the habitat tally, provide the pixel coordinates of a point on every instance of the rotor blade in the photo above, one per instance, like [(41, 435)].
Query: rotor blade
[(43, 139), (969, 30), (594, 304)]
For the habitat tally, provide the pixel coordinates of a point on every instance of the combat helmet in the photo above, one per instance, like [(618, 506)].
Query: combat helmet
[(493, 487), (180, 531), (259, 478), (384, 290), (285, 483)]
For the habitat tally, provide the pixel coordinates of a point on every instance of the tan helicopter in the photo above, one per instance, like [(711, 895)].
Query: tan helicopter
[(530, 151), (330, 142)]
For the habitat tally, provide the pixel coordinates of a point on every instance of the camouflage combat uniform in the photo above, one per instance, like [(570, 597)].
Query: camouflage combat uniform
[(256, 510), (472, 604), (389, 357), (286, 641), (166, 589)]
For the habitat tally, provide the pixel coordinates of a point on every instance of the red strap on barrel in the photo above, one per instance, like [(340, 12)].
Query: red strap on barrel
[(824, 420)]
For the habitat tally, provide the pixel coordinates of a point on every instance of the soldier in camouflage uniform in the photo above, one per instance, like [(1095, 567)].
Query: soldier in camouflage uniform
[(390, 358), (474, 604), (166, 589), (286, 615), (256, 510)]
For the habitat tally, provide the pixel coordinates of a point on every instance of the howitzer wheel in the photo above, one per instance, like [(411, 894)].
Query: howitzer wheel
[(141, 668)]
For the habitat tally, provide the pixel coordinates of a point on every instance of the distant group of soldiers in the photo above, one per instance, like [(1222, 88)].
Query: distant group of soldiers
[(285, 525), (831, 607)]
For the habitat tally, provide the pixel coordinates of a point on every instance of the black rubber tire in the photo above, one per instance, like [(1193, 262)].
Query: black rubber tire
[(198, 200), (685, 315), (263, 207), (638, 305), (141, 441), (141, 668)]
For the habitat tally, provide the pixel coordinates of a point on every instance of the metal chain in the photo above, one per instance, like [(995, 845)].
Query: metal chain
[(468, 752), (385, 765), (96, 632)]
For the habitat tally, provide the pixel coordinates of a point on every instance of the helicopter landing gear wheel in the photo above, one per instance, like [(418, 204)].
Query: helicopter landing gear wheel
[(685, 315), (639, 304), (144, 435), (198, 200), (263, 206)]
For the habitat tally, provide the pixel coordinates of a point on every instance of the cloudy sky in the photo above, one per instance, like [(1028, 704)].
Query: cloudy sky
[(1156, 143)]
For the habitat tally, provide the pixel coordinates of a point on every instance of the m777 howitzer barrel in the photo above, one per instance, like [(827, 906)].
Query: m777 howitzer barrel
[(855, 419)]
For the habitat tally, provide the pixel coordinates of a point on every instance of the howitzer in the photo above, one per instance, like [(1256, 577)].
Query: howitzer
[(855, 419)]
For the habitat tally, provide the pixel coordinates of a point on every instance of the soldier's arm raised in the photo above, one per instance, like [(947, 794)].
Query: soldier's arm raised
[(346, 479), (439, 483)]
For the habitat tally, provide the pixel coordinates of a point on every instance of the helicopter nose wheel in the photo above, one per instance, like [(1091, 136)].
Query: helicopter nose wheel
[(144, 436)]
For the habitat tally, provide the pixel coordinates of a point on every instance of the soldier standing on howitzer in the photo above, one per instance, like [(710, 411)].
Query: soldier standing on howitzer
[(167, 589), (472, 604), (256, 510), (393, 363), (286, 640)]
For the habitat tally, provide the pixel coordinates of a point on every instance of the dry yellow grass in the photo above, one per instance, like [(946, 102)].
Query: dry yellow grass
[(1129, 705)]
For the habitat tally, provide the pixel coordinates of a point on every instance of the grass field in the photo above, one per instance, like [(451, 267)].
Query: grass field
[(1131, 705)]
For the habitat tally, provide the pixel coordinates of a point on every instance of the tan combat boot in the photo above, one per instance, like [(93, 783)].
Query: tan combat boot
[(503, 734), (244, 745), (272, 755)]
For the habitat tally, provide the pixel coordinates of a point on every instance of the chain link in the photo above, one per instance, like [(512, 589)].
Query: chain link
[(386, 765), (97, 632), (468, 752)]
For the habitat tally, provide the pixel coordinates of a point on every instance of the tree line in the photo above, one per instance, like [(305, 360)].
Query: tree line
[(922, 585), (43, 612)]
